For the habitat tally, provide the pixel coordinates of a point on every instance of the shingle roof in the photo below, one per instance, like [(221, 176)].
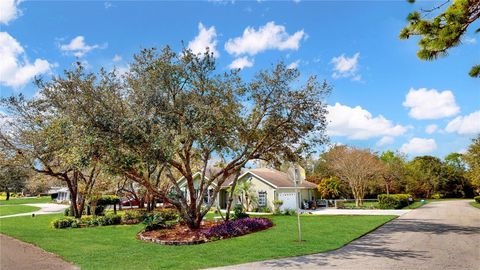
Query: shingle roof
[(274, 177), (279, 179)]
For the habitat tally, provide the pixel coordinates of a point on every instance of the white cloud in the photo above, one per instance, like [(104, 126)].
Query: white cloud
[(270, 36), (107, 5), (430, 104), (346, 67), (117, 58), (419, 146), (294, 64), (385, 140), (205, 38), (79, 48), (241, 63), (431, 128), (469, 40), (9, 10), (358, 124), (465, 125), (15, 69)]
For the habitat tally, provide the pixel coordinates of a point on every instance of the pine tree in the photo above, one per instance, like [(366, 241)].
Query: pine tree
[(444, 31)]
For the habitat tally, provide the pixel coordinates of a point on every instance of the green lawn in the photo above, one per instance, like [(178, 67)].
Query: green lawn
[(6, 210), (475, 204), (365, 205), (115, 247), (43, 199)]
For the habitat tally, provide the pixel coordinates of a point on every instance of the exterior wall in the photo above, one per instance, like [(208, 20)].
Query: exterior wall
[(259, 185), (305, 194)]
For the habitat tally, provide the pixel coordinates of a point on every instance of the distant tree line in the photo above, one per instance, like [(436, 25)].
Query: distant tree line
[(350, 172)]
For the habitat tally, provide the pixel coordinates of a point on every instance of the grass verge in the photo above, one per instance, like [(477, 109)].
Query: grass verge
[(475, 204), (6, 210), (115, 247), (43, 199)]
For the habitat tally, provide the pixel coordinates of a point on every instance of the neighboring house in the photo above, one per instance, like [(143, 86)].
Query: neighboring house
[(62, 194), (268, 184)]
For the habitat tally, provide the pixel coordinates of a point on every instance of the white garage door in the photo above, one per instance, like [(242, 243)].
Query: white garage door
[(289, 200)]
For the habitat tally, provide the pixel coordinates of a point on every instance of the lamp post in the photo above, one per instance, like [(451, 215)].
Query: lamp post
[(295, 174)]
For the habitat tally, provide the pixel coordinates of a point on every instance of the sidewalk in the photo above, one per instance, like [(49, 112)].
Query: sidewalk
[(334, 211)]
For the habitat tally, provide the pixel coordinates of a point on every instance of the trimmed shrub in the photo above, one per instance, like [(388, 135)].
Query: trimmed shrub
[(168, 214), (238, 212), (289, 212), (236, 228), (108, 200), (154, 222), (276, 206), (263, 209), (477, 199), (62, 223), (134, 216), (393, 201)]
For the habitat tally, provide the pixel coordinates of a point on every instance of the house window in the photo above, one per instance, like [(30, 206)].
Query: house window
[(262, 198)]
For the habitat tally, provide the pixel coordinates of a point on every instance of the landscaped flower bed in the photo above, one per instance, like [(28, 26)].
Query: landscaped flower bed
[(156, 219), (209, 231)]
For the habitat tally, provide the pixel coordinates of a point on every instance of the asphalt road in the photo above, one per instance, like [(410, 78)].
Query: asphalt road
[(439, 235), (18, 255)]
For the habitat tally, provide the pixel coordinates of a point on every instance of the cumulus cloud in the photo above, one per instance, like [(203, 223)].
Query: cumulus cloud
[(15, 69), (465, 125), (385, 140), (267, 37), (346, 67), (430, 103), (241, 63), (419, 146), (294, 64), (206, 38), (359, 124), (79, 48), (117, 58), (431, 128), (9, 10)]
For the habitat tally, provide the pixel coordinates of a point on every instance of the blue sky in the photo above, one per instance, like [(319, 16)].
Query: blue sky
[(384, 97)]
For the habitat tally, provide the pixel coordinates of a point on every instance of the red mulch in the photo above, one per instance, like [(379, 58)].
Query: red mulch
[(180, 233)]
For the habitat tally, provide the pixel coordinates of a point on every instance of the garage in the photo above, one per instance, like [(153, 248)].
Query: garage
[(289, 200)]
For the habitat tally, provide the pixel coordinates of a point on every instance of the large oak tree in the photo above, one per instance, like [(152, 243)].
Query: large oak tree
[(172, 113)]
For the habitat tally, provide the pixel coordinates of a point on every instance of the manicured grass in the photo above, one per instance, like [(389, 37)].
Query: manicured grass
[(475, 204), (365, 205), (6, 210), (115, 247), (43, 199)]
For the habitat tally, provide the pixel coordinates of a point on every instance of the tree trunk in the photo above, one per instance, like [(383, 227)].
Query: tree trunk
[(115, 208), (8, 194)]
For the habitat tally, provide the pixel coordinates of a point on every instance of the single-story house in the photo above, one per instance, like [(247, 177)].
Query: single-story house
[(60, 194), (268, 184)]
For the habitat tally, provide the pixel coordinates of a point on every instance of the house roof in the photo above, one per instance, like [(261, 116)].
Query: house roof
[(279, 179), (273, 177)]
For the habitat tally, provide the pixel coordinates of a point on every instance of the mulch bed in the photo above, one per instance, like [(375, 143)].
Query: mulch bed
[(177, 235), (181, 235)]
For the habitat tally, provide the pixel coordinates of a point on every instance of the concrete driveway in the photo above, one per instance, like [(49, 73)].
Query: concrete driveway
[(439, 235)]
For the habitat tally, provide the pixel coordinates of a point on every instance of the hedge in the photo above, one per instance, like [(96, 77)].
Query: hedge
[(108, 200), (477, 199), (394, 201), (86, 221)]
